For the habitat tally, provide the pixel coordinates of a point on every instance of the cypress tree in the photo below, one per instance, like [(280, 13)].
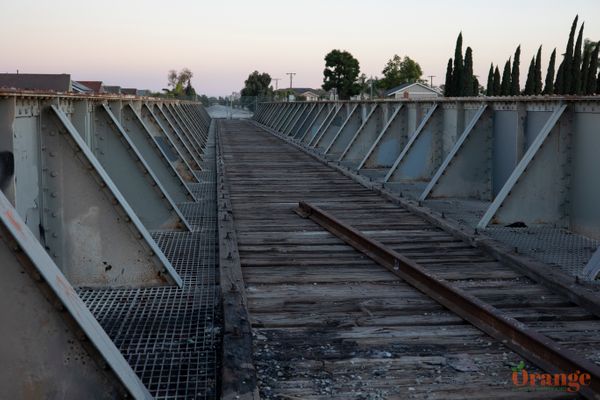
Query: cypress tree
[(457, 71), (598, 84), (585, 64), (497, 84), (505, 86), (559, 85), (467, 89), (549, 86), (515, 88), (576, 80), (592, 70), (537, 87), (530, 84), (448, 83), (489, 90), (567, 71), (475, 86)]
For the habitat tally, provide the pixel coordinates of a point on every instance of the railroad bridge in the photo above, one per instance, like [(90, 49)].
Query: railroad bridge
[(349, 250)]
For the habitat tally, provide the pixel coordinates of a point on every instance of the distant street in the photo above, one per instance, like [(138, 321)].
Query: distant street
[(220, 111)]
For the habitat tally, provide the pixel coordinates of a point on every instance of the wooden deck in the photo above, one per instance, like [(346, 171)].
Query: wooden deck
[(329, 323)]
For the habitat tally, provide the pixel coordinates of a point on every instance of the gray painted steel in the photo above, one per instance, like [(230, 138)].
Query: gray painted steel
[(43, 352), (346, 132), (464, 173), (364, 136), (173, 149), (89, 228), (538, 195), (386, 148), (132, 175), (140, 136), (333, 127), (422, 153), (177, 139)]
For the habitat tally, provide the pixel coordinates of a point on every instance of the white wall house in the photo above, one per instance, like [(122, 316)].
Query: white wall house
[(412, 91)]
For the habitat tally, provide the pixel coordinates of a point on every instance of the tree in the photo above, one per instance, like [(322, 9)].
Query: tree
[(530, 84), (566, 74), (505, 86), (587, 53), (592, 70), (468, 79), (537, 86), (364, 85), (341, 72), (457, 72), (448, 82), (489, 91), (497, 81), (257, 85), (180, 83), (400, 70), (559, 85), (515, 87), (576, 69), (477, 88), (549, 86)]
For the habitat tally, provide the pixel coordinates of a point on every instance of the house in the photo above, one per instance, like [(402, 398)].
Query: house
[(42, 82), (112, 89), (78, 87), (306, 94), (413, 91), (94, 86)]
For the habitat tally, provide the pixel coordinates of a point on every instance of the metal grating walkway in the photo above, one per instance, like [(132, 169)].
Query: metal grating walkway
[(170, 336)]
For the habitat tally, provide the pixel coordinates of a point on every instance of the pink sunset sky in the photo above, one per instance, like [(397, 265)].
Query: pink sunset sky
[(133, 43)]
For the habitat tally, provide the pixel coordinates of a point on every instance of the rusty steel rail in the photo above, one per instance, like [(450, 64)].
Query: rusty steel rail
[(535, 347)]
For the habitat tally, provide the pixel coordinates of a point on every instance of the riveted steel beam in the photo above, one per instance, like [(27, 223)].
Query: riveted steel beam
[(333, 126), (87, 226), (51, 343), (537, 189), (154, 156), (306, 118), (196, 128), (194, 133), (294, 120), (185, 135), (352, 125), (182, 145), (419, 159), (132, 174), (386, 148), (321, 119), (364, 136), (170, 149), (465, 173)]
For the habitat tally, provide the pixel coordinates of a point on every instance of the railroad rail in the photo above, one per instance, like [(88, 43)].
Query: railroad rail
[(519, 169), (151, 251), (329, 322)]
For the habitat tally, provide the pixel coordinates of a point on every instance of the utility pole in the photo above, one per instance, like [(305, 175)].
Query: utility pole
[(291, 74), (276, 82), (431, 80)]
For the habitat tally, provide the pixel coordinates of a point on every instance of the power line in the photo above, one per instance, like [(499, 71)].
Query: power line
[(291, 74), (276, 82)]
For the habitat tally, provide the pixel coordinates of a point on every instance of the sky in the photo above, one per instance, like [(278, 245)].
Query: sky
[(134, 43)]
